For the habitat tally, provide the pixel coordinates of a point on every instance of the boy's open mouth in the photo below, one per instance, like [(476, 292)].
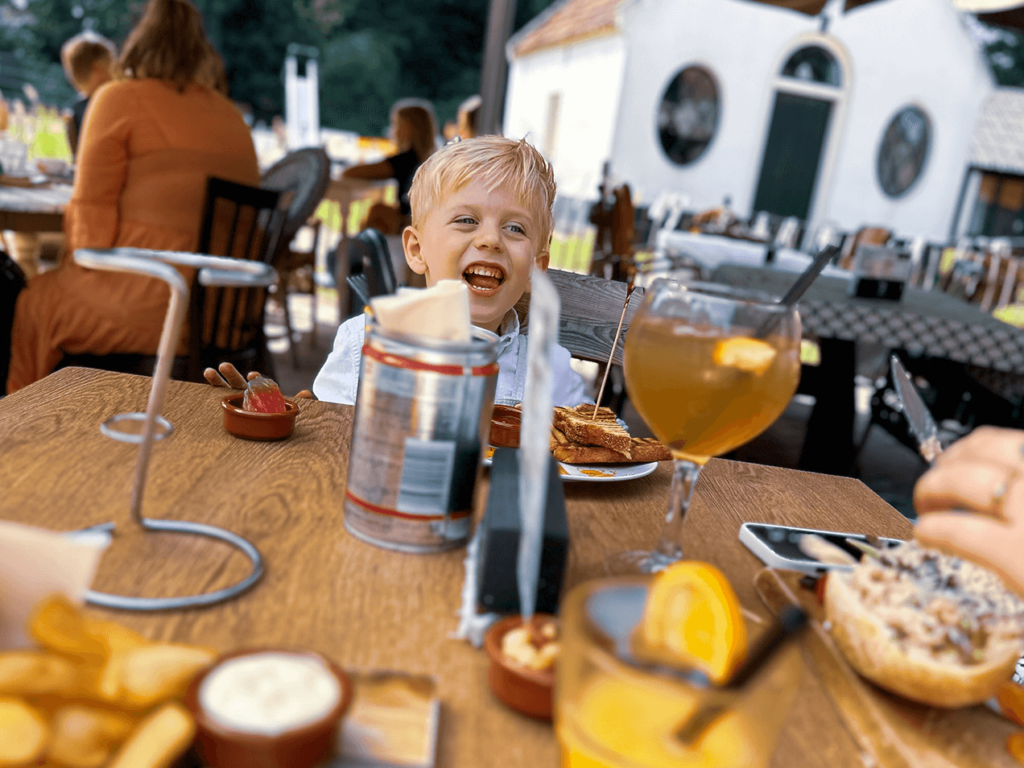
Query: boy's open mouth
[(484, 277)]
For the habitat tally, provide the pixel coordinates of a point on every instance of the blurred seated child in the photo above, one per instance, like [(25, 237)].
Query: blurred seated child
[(481, 213), (88, 60)]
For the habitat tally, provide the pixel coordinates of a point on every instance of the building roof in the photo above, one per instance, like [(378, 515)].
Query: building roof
[(999, 133), (566, 22), (570, 21)]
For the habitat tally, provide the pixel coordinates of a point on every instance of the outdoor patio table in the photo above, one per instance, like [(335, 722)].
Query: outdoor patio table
[(28, 211), (922, 322), (712, 251), (369, 608)]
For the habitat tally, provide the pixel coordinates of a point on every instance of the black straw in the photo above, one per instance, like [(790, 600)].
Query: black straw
[(791, 621), (798, 288)]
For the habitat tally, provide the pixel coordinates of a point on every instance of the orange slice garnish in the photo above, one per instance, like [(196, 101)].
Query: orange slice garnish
[(693, 615), (1015, 746), (750, 355)]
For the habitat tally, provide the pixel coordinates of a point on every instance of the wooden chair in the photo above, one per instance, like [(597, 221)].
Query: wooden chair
[(303, 175), (370, 258), (615, 219), (590, 312), (863, 236), (591, 307), (225, 322)]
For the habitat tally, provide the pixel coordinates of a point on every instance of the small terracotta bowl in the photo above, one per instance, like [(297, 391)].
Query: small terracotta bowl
[(257, 426), (528, 691), (304, 746)]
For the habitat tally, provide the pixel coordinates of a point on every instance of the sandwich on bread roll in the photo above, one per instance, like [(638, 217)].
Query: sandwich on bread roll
[(927, 626)]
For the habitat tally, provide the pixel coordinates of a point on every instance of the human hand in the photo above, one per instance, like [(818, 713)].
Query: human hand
[(981, 478), (226, 375)]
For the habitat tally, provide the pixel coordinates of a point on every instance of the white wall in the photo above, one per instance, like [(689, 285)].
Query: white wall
[(908, 52), (588, 78), (739, 43), (899, 53)]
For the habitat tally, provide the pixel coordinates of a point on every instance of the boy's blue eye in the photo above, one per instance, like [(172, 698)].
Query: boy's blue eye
[(465, 220), (517, 228)]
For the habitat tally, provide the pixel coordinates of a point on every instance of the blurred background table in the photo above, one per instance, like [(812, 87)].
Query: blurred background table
[(712, 251), (928, 323), (365, 607), (27, 211)]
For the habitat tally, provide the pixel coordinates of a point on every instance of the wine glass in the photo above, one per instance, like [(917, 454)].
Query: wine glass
[(708, 367)]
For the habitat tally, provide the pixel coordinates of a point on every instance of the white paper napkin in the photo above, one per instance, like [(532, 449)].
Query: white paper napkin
[(438, 312)]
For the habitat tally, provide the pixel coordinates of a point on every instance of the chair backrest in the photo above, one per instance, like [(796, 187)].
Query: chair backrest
[(863, 236), (226, 324), (788, 234), (591, 308), (371, 248), (306, 174)]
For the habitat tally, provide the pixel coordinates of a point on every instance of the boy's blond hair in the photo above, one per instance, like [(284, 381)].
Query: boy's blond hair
[(81, 52), (493, 160)]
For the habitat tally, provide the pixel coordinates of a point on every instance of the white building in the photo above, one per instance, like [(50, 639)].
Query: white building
[(858, 116)]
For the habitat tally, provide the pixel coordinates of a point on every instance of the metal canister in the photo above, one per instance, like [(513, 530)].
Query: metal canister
[(422, 414)]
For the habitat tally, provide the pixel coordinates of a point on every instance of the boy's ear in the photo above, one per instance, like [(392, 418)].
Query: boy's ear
[(542, 261), (413, 253)]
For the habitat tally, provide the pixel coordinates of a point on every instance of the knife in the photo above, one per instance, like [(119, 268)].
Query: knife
[(922, 425)]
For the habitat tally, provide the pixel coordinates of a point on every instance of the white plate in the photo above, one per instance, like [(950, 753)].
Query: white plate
[(605, 473), (591, 473)]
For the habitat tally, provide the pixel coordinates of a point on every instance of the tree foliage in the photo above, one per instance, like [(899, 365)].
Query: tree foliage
[(371, 52)]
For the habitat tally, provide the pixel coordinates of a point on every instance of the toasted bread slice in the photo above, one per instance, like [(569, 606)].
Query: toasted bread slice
[(604, 430), (643, 449), (649, 449)]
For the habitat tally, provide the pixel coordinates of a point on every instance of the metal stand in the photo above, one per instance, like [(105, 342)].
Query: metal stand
[(214, 270)]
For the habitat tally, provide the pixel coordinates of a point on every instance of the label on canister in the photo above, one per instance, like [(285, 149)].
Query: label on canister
[(415, 452)]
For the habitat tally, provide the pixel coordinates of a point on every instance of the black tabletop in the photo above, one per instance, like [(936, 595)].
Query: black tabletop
[(922, 322)]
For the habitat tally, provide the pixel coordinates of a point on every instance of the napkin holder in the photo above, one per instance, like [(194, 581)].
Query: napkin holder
[(879, 273), (501, 527)]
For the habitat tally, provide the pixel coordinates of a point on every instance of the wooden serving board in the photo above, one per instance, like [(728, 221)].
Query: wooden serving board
[(895, 732)]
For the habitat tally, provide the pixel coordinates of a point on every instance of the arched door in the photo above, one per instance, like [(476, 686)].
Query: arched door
[(806, 92)]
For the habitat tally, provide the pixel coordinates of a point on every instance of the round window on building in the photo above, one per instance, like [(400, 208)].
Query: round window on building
[(688, 115), (904, 151)]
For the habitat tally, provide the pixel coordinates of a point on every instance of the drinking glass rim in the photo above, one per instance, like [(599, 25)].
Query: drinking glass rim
[(612, 657), (722, 291)]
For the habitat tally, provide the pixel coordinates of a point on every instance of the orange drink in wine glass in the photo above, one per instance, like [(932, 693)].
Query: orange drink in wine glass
[(708, 368)]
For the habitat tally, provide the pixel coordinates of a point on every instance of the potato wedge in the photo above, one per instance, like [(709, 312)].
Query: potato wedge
[(37, 673), (23, 733), (114, 637), (159, 740), (84, 737), (59, 626), (153, 673)]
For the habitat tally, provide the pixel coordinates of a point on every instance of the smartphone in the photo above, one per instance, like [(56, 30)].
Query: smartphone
[(778, 546)]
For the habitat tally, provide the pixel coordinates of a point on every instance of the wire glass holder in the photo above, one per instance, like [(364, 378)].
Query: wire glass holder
[(213, 270)]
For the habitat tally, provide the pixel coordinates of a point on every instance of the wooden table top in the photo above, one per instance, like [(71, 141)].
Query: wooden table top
[(365, 607), (33, 209)]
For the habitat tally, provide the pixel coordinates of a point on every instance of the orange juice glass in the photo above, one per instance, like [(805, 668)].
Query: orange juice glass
[(612, 712), (708, 368)]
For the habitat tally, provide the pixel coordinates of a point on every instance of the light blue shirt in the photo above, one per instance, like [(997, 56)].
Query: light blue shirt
[(338, 380)]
